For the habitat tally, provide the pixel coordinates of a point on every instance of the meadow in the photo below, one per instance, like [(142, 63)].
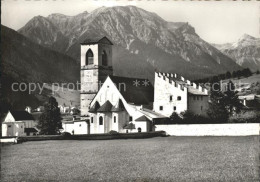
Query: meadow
[(154, 159)]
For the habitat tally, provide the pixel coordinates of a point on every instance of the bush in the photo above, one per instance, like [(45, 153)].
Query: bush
[(245, 117), (66, 134), (113, 132)]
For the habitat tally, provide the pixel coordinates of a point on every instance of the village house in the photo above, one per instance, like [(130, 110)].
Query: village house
[(19, 123), (128, 104)]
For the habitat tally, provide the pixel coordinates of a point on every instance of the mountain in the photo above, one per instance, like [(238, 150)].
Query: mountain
[(143, 41), (245, 52), (25, 61)]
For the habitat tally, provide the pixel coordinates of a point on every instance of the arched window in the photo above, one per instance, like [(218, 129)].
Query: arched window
[(89, 57), (100, 120), (114, 119), (104, 58)]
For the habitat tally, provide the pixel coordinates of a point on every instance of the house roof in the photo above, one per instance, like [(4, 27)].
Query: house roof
[(30, 130), (21, 115), (96, 39), (95, 107), (106, 107), (134, 90), (118, 107), (129, 126), (143, 118)]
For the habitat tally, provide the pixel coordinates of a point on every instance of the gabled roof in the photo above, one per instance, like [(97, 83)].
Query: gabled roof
[(96, 39), (95, 107), (143, 118), (135, 91), (21, 115), (129, 126), (106, 107), (118, 107)]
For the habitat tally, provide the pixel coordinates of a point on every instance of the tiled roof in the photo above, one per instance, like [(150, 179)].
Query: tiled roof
[(106, 107), (97, 39), (95, 107), (118, 107), (142, 118), (135, 90), (129, 126), (21, 115)]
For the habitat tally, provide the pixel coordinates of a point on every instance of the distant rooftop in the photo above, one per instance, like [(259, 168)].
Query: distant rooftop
[(96, 39)]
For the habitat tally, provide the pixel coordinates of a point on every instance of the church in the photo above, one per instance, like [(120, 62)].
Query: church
[(124, 104)]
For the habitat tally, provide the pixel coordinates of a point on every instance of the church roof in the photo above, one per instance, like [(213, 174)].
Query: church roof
[(21, 115), (134, 90), (95, 107), (143, 118), (96, 39), (118, 107), (106, 107)]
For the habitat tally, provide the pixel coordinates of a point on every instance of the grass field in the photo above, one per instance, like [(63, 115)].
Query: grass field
[(155, 159)]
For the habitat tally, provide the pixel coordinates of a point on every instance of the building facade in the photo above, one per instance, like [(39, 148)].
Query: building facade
[(128, 104), (19, 123)]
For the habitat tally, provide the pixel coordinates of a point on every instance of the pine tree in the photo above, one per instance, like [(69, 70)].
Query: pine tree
[(217, 111), (231, 100), (50, 119)]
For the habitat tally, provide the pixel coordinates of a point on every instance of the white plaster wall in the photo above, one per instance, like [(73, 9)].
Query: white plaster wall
[(142, 125), (80, 128), (17, 129), (68, 127), (163, 89), (4, 129), (210, 129)]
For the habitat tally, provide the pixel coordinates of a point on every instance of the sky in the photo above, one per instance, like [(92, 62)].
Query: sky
[(214, 21)]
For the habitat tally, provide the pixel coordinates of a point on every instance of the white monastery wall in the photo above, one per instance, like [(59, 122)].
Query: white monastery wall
[(243, 129)]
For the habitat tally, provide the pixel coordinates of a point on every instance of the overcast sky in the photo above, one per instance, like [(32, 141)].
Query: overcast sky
[(215, 22)]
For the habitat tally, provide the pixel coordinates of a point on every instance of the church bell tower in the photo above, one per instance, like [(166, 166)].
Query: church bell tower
[(96, 65)]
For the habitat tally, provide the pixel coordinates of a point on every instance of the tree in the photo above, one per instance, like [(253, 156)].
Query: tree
[(217, 111), (50, 119), (175, 118), (228, 75), (230, 99)]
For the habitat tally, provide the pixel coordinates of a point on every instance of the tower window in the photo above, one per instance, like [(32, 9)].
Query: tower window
[(100, 120), (179, 98), (174, 108), (89, 57), (161, 108), (130, 118), (92, 120), (104, 58), (170, 98), (114, 119)]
